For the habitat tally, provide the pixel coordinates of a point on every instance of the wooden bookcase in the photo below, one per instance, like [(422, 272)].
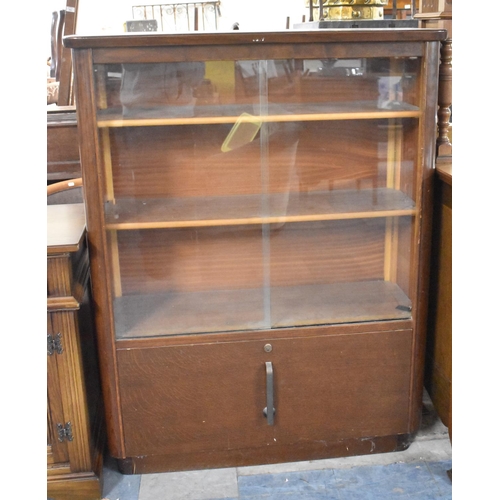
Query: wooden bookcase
[(258, 222)]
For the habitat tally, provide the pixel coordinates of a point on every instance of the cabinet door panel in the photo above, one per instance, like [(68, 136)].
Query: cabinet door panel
[(211, 396), (57, 452)]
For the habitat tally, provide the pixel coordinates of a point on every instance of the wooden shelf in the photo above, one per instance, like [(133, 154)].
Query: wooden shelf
[(130, 214), (206, 115), (233, 310)]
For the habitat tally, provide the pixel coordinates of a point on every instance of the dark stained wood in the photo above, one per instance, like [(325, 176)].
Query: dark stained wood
[(264, 335), (257, 39), (53, 43), (357, 385), (57, 452), (437, 14), (438, 375), (421, 281), (85, 94), (63, 156), (247, 52), (65, 78), (164, 273), (444, 172), (444, 148), (278, 453)]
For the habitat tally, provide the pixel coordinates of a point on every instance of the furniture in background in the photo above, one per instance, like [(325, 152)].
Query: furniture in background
[(63, 153), (63, 186), (60, 86), (75, 425), (261, 232), (438, 374), (62, 192), (63, 157), (438, 377), (437, 14)]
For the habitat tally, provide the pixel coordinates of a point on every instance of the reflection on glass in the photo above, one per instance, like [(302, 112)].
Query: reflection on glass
[(161, 86), (259, 194)]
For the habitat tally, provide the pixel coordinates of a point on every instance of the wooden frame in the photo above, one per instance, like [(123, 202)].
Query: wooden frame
[(201, 258)]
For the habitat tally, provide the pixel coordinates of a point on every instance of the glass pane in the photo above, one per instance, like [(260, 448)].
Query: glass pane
[(340, 271), (258, 194), (188, 280), (218, 89)]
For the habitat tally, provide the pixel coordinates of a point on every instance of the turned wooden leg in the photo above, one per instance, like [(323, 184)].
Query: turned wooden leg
[(444, 100)]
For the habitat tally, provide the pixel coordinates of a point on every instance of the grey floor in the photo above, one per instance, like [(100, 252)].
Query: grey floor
[(420, 472)]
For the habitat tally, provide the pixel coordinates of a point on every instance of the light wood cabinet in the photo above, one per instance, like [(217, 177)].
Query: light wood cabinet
[(75, 422), (258, 217)]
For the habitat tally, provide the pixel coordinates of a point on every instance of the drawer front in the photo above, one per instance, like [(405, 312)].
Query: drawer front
[(210, 396)]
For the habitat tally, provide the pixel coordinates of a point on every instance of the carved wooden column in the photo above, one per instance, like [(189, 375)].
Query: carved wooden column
[(444, 100), (437, 14)]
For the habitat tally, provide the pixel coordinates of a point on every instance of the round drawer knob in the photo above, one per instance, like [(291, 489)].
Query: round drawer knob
[(268, 348)]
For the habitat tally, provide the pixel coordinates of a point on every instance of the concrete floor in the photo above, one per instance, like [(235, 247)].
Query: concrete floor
[(420, 472)]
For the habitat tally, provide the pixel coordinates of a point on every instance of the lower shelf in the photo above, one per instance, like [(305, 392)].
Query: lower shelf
[(254, 309)]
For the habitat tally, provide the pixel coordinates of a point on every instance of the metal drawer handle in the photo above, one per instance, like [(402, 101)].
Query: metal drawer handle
[(269, 394)]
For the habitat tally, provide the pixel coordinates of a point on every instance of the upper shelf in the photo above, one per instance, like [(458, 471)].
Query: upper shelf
[(130, 214), (189, 115)]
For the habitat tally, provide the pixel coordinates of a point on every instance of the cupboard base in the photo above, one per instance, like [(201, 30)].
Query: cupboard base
[(240, 458), (83, 486)]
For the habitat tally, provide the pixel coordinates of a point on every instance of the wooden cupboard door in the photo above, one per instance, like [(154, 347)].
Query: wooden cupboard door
[(67, 396), (198, 397), (57, 451)]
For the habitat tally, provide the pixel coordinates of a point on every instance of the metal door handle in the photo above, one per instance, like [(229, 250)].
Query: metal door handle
[(269, 394)]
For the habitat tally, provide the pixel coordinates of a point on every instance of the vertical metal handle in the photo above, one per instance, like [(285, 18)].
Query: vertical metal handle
[(269, 394)]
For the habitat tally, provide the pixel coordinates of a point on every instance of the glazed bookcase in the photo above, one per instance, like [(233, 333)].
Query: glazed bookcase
[(257, 217)]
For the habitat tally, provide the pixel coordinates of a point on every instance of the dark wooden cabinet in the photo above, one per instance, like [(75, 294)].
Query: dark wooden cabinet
[(214, 401), (258, 218), (63, 154), (438, 380), (74, 403)]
